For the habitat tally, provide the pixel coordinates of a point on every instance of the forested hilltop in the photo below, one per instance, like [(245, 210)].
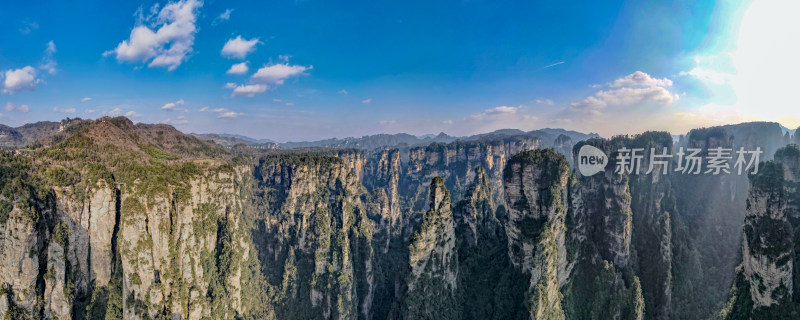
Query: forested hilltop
[(107, 219)]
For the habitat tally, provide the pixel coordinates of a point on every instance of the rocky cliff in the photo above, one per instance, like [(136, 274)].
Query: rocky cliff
[(536, 193), (106, 219), (455, 162), (109, 236), (433, 261), (765, 283)]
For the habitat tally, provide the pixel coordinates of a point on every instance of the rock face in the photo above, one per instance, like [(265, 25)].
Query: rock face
[(485, 272), (766, 281), (455, 162), (536, 192), (767, 248), (707, 229), (563, 145), (475, 215), (315, 229), (163, 243), (433, 261), (20, 261), (652, 207), (796, 137), (383, 172)]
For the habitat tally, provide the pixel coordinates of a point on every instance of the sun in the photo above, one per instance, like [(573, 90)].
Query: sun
[(767, 61)]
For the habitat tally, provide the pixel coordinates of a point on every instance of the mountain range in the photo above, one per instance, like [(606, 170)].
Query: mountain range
[(107, 219)]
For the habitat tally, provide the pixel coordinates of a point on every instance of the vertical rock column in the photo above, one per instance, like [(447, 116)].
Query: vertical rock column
[(536, 185), (433, 262), (767, 249)]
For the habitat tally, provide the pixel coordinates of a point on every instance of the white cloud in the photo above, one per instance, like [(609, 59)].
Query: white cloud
[(277, 73), (222, 112), (86, 99), (630, 91), (500, 117), (229, 115), (62, 110), (545, 102), (625, 97), (500, 111), (387, 122), (343, 91), (367, 100), (132, 114), (173, 106), (115, 112), (20, 79), (590, 104), (21, 108), (277, 100), (169, 44), (640, 79), (49, 63), (229, 85), (290, 104), (709, 75), (224, 16), (178, 120), (88, 111), (239, 68), (28, 26), (249, 90), (239, 48), (447, 122)]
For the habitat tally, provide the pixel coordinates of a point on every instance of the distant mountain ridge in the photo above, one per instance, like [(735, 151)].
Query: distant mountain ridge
[(230, 140), (547, 135), (30, 132), (372, 141), (12, 137)]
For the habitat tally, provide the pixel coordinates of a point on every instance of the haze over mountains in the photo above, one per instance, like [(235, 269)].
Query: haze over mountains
[(28, 133), (107, 219)]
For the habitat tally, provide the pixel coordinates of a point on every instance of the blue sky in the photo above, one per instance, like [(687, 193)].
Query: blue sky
[(316, 69)]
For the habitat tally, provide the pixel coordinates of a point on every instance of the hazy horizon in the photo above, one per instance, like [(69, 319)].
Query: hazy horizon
[(426, 135)]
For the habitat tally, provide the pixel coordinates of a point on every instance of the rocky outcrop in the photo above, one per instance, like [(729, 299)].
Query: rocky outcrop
[(767, 253), (433, 261), (20, 263), (652, 206), (606, 201), (796, 136), (455, 162), (563, 144), (383, 171), (766, 281), (475, 215), (315, 242), (536, 191), (708, 218), (60, 279)]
